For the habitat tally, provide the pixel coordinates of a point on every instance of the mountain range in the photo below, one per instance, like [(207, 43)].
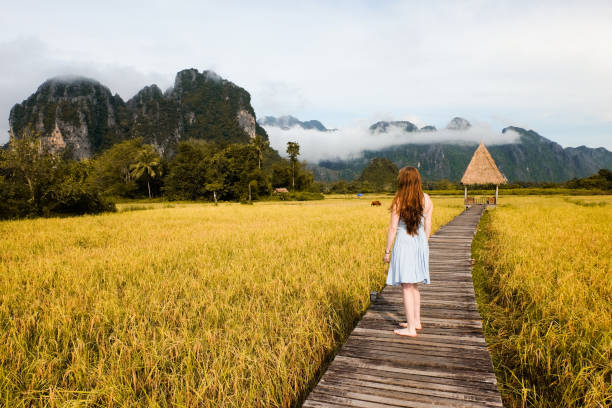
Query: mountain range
[(530, 158), (82, 115)]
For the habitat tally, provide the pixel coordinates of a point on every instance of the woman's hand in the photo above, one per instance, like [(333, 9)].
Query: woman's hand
[(387, 257)]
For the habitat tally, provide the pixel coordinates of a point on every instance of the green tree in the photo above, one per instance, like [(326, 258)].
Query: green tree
[(215, 177), (380, 175), (147, 165), (281, 174), (261, 146), (190, 174), (29, 162), (238, 165), (112, 171), (34, 181), (293, 150)]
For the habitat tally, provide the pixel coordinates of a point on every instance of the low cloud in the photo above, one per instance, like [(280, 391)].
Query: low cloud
[(351, 142)]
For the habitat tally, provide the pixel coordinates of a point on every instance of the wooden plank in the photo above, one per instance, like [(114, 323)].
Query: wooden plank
[(447, 365), (426, 379), (372, 382)]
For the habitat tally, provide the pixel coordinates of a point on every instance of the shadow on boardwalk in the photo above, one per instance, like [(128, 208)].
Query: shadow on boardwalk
[(447, 365)]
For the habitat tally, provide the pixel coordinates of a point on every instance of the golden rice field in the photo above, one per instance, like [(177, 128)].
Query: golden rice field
[(544, 285), (186, 304)]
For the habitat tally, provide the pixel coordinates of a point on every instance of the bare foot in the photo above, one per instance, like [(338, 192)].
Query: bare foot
[(404, 324), (405, 332)]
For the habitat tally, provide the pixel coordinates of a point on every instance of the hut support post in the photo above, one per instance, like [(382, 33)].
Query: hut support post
[(496, 190), (465, 196)]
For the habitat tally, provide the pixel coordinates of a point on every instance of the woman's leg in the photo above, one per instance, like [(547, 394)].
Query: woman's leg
[(417, 308), (408, 292), (416, 300)]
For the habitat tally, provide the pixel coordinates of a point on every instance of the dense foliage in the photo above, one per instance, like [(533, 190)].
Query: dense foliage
[(204, 170), (35, 182), (602, 180), (113, 171), (381, 173), (599, 183)]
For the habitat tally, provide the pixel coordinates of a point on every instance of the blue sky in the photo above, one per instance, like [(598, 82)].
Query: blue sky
[(540, 65)]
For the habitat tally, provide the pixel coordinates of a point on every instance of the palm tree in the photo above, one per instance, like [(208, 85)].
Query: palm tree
[(260, 145), (148, 163), (293, 150)]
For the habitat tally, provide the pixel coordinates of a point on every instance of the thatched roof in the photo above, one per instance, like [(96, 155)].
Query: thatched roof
[(482, 169)]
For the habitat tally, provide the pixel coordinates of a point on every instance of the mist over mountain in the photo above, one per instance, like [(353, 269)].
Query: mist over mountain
[(351, 142), (440, 153), (287, 122), (82, 115)]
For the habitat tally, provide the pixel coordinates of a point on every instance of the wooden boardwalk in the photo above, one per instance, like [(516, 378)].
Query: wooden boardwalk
[(447, 365)]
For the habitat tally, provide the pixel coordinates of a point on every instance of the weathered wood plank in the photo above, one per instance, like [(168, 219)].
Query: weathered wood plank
[(447, 365)]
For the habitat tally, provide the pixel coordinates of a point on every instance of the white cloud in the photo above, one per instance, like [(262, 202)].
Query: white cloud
[(352, 141)]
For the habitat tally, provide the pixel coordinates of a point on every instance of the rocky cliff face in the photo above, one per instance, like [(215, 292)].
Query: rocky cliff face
[(82, 115), (77, 113), (212, 108)]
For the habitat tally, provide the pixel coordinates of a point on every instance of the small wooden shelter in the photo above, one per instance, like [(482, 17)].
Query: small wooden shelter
[(482, 170)]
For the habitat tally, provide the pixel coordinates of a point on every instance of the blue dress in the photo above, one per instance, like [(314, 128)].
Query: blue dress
[(410, 256)]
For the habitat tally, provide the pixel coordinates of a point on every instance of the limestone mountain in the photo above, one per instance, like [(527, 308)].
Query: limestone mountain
[(402, 125), (458, 123), (74, 112), (532, 158), (288, 122), (383, 126), (82, 115)]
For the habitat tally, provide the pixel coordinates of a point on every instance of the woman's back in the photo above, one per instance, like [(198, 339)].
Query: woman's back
[(409, 231), (410, 256)]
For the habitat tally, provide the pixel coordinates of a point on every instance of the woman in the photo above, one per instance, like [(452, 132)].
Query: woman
[(410, 228)]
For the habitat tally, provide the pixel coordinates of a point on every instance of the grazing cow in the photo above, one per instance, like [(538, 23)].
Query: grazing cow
[(376, 203)]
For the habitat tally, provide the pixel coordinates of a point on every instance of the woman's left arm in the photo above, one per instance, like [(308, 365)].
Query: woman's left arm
[(428, 216)]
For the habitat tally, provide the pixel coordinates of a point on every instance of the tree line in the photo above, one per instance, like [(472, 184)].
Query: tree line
[(380, 176), (37, 182)]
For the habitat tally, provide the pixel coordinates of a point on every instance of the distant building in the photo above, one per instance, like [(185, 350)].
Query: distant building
[(281, 190)]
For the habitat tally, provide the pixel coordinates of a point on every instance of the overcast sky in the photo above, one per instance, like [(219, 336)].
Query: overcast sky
[(542, 65)]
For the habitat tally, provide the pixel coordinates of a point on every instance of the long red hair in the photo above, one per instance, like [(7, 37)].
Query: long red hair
[(408, 201)]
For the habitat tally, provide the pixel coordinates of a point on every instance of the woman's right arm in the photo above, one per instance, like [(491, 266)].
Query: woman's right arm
[(391, 234), (428, 215)]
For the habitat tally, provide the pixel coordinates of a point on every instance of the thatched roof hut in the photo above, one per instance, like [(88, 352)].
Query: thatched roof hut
[(482, 169)]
